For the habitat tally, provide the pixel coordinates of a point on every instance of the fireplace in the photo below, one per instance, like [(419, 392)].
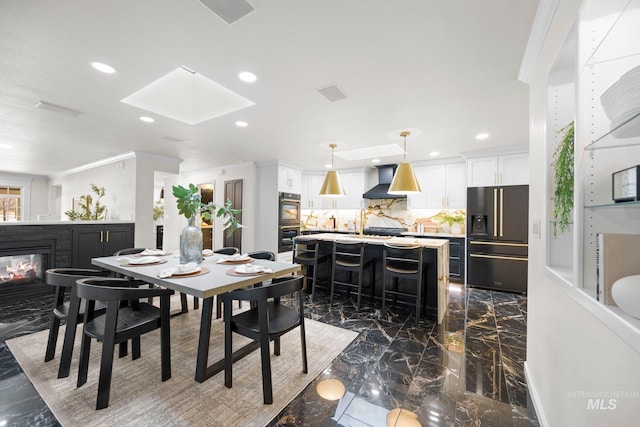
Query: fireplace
[(22, 268)]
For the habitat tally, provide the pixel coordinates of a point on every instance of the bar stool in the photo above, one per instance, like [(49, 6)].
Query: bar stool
[(306, 252), (349, 257), (402, 262)]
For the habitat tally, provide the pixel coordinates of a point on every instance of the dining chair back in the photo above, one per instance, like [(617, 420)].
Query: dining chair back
[(184, 306), (67, 308), (121, 322), (228, 250), (403, 262), (266, 322), (269, 256)]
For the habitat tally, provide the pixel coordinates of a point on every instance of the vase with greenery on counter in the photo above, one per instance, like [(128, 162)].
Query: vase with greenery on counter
[(190, 205)]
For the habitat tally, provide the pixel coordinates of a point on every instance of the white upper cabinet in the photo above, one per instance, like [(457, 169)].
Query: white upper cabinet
[(354, 186), (506, 169), (289, 179), (443, 187), (310, 195)]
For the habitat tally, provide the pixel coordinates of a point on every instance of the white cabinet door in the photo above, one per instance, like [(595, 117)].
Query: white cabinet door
[(482, 171), (310, 193), (353, 183), (506, 169), (435, 186), (289, 179), (419, 200), (443, 186), (513, 169), (456, 192)]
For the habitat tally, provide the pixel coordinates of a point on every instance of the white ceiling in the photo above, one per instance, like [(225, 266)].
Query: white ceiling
[(446, 70)]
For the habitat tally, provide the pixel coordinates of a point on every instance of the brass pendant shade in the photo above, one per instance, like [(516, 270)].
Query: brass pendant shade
[(332, 186), (404, 181)]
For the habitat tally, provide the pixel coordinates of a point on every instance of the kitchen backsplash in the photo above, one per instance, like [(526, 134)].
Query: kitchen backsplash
[(381, 213)]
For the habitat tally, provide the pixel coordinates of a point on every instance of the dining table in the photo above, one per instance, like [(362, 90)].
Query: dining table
[(215, 275)]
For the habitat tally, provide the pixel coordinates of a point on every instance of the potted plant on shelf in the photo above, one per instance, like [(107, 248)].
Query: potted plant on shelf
[(563, 180), (190, 205)]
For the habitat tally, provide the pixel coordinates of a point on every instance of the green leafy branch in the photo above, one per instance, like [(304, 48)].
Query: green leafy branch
[(189, 204), (90, 209), (564, 177)]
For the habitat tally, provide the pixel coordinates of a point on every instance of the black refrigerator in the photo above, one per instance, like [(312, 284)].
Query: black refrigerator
[(497, 237)]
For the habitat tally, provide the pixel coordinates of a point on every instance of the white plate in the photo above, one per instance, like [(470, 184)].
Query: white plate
[(185, 273), (145, 260)]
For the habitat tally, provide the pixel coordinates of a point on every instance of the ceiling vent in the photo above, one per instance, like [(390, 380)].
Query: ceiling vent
[(229, 11), (332, 93), (58, 109)]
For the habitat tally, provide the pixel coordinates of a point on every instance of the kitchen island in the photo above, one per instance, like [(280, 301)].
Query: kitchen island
[(436, 258)]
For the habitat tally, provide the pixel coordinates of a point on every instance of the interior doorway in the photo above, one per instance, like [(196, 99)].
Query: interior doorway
[(233, 192)]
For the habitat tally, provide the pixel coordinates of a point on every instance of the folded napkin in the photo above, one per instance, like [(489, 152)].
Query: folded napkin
[(182, 268), (207, 252), (250, 268), (233, 258), (139, 260), (153, 252)]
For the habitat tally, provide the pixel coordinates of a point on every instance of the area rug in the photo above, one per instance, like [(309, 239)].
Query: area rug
[(139, 397)]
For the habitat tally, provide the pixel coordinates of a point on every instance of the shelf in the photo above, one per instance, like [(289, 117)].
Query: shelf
[(609, 140), (613, 205)]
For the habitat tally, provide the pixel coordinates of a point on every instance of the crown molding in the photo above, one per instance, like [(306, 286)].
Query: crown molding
[(541, 24)]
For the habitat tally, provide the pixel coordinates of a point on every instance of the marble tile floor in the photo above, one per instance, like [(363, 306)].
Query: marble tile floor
[(468, 371)]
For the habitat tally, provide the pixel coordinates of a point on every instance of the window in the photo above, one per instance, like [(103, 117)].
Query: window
[(10, 206)]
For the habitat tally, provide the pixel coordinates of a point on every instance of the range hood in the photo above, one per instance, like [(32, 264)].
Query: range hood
[(380, 191)]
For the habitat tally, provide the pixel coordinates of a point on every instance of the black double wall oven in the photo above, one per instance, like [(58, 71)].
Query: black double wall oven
[(288, 220), (497, 237)]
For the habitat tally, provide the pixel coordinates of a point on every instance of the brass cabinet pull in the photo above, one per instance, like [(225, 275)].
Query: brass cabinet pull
[(474, 242), (101, 236), (501, 209), (495, 212), (510, 258), (107, 236)]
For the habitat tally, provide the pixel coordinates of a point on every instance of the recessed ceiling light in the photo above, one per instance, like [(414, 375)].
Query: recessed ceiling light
[(101, 66), (248, 77), (482, 136), (242, 124), (147, 119), (6, 146), (434, 153), (375, 160), (328, 166)]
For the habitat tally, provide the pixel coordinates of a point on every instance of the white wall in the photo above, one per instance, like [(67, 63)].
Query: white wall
[(569, 351), (117, 178), (174, 223), (35, 193)]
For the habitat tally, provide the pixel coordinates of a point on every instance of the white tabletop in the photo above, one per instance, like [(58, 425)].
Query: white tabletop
[(215, 282)]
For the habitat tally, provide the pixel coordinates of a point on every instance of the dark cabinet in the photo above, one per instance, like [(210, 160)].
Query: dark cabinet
[(457, 257), (91, 241)]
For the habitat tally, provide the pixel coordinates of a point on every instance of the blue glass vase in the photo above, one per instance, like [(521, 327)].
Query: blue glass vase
[(191, 243)]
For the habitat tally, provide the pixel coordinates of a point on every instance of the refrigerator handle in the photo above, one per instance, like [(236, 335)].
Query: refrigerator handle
[(495, 212), (501, 209)]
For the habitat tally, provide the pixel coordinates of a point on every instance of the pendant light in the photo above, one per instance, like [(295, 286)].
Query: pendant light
[(404, 181), (332, 186)]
